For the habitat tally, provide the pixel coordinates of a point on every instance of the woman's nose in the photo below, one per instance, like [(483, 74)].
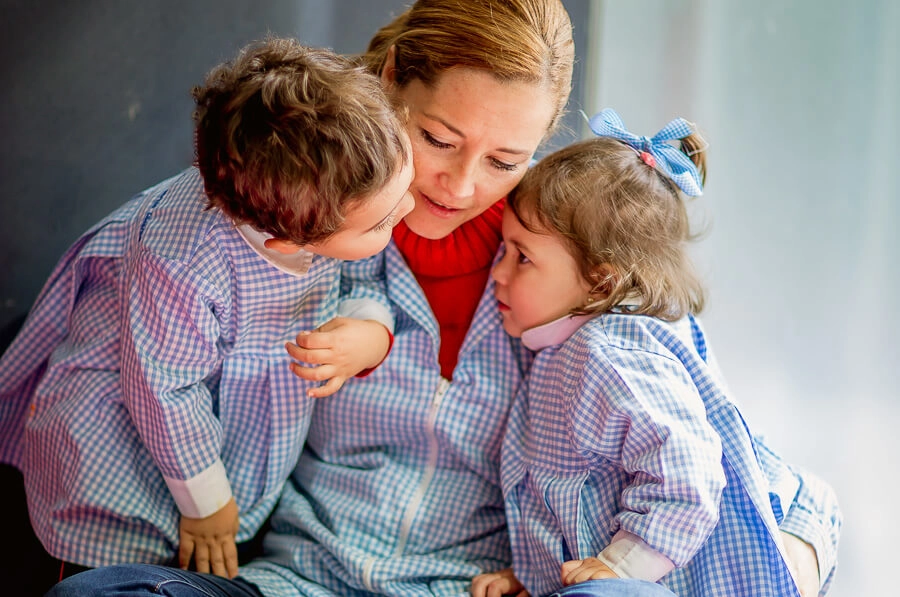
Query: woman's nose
[(459, 181)]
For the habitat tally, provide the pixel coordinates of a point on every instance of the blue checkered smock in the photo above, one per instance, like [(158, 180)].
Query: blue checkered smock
[(398, 490), (157, 346), (628, 425)]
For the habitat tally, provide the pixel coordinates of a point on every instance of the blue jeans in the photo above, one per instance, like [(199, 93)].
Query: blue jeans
[(618, 587), (144, 579), (134, 580)]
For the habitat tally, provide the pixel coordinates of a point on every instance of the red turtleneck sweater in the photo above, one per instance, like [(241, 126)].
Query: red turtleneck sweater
[(453, 272)]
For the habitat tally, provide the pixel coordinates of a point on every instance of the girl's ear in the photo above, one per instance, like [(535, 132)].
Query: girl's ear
[(603, 279), (389, 70), (285, 247)]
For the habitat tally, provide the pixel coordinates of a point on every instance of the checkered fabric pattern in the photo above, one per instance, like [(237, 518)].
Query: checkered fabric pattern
[(157, 346), (627, 426), (398, 490)]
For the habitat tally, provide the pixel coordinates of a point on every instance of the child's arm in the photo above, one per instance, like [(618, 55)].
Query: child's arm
[(169, 345), (643, 412), (497, 584), (210, 542)]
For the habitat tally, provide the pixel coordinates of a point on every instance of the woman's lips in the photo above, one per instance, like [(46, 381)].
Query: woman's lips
[(437, 209)]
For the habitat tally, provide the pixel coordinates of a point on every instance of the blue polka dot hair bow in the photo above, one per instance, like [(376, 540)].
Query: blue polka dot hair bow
[(669, 159)]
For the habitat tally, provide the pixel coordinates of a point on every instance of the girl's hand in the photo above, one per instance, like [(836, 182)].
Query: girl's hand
[(210, 541), (338, 350), (575, 571), (496, 584)]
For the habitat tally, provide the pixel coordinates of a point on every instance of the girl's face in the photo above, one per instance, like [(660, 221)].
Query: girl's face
[(537, 280), (473, 138)]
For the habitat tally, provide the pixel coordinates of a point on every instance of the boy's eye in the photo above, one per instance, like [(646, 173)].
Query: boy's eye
[(431, 140), (387, 223)]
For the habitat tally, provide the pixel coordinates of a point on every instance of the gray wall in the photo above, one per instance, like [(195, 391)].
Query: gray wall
[(95, 104)]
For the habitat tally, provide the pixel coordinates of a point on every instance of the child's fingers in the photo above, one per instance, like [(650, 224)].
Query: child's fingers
[(309, 356), (314, 340), (320, 373), (185, 551), (334, 384), (201, 557), (217, 560), (231, 558)]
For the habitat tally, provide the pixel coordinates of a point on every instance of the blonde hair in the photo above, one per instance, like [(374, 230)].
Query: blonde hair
[(287, 137), (515, 40), (610, 207)]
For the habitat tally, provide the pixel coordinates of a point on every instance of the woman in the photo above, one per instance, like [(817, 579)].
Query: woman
[(398, 491)]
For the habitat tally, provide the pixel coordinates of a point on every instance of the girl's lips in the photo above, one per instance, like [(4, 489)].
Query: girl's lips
[(502, 307)]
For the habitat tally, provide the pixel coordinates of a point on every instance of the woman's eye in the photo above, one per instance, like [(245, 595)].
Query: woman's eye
[(429, 138), (505, 166)]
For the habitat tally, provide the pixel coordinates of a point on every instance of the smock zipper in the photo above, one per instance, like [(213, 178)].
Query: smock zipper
[(419, 494), (430, 469)]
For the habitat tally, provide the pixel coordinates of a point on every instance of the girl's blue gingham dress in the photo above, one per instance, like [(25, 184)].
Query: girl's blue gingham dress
[(628, 425), (157, 346)]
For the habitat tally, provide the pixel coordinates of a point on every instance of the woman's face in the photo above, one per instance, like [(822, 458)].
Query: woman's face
[(473, 138)]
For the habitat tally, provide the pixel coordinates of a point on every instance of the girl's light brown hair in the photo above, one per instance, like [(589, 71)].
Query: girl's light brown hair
[(516, 40), (288, 137), (610, 207)]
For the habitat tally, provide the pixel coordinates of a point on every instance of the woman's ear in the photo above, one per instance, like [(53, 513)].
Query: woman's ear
[(389, 70), (285, 247)]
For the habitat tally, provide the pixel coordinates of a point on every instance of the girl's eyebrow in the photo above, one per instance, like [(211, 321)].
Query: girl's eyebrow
[(459, 133)]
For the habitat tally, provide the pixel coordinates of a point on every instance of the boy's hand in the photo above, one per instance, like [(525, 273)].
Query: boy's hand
[(802, 560), (496, 584), (339, 350), (210, 541), (575, 571)]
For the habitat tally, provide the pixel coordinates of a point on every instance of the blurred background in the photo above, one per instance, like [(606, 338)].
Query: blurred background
[(797, 98)]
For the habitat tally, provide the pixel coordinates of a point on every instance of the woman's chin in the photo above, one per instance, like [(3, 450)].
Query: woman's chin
[(429, 226)]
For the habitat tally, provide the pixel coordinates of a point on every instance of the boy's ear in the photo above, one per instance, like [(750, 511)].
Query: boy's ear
[(389, 70), (285, 247), (603, 279)]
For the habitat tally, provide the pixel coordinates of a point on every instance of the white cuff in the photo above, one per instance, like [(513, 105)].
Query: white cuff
[(629, 556), (361, 308), (201, 495)]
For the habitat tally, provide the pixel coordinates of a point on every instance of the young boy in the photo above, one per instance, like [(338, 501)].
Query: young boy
[(152, 371)]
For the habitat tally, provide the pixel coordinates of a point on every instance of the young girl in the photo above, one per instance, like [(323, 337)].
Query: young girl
[(625, 455)]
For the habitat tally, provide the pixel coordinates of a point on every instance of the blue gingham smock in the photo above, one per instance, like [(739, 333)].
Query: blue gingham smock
[(627, 426), (157, 348), (398, 489)]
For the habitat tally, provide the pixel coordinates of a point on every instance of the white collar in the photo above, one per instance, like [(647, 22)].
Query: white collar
[(295, 264), (555, 332)]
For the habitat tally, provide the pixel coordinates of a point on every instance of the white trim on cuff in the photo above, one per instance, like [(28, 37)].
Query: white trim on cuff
[(629, 556), (202, 495), (362, 308)]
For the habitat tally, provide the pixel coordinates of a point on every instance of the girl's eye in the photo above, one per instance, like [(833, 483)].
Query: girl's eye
[(505, 166), (430, 139), (522, 258)]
